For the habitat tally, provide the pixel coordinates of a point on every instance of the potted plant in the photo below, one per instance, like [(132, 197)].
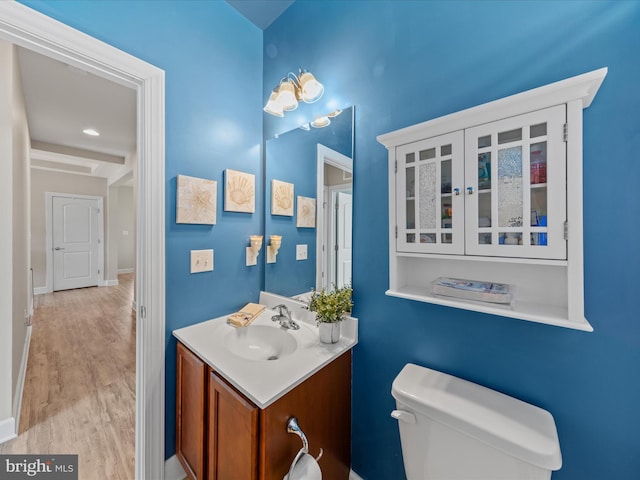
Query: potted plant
[(331, 306)]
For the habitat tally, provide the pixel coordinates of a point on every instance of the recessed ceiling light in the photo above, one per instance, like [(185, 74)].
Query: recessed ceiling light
[(91, 131)]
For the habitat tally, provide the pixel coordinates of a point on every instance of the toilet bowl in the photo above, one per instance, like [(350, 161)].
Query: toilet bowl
[(452, 429)]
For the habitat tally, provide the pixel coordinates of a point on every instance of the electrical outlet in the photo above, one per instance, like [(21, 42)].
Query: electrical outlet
[(201, 261), (301, 252)]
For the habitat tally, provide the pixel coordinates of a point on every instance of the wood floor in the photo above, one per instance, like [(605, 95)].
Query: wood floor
[(79, 394)]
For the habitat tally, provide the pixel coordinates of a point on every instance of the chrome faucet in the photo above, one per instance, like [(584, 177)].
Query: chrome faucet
[(284, 318)]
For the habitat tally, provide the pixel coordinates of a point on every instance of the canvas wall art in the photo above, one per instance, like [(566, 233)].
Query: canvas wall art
[(239, 192), (196, 200), (306, 212), (281, 198)]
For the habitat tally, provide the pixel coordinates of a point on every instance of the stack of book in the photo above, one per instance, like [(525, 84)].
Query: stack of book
[(473, 290)]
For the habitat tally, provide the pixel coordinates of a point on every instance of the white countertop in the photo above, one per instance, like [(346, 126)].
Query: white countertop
[(265, 381)]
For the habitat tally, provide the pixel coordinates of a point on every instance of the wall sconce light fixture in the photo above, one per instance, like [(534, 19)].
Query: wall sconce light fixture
[(274, 245), (291, 89), (253, 251)]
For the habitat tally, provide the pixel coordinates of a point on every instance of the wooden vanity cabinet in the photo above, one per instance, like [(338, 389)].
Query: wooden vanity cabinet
[(236, 440), (191, 401), (232, 433)]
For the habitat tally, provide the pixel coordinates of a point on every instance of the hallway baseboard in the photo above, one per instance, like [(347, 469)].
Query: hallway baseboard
[(125, 270), (17, 399), (7, 429), (109, 283), (41, 290)]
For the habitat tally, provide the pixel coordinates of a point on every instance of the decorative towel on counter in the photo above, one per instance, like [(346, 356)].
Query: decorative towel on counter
[(246, 315)]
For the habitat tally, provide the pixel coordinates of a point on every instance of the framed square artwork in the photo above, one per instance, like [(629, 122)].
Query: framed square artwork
[(281, 198), (196, 200), (306, 212), (239, 191)]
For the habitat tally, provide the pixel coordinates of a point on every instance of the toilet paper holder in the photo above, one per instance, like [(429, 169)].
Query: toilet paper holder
[(293, 427)]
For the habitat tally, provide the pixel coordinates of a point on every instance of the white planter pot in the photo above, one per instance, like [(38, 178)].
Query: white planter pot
[(329, 332)]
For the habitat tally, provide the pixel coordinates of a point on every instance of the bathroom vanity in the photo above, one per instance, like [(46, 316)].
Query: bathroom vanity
[(238, 387)]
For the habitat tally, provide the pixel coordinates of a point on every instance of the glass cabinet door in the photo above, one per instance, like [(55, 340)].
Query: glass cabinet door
[(515, 186), (430, 203)]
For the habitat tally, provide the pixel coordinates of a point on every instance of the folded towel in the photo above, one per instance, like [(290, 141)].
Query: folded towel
[(245, 315)]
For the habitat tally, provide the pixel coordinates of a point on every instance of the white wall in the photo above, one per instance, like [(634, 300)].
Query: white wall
[(126, 223), (14, 231), (43, 181)]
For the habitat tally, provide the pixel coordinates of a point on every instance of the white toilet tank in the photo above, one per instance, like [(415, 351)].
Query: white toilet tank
[(452, 429)]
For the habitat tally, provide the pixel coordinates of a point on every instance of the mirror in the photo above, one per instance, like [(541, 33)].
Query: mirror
[(315, 248)]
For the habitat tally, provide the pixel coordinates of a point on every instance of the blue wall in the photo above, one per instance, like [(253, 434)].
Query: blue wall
[(404, 62), (213, 62)]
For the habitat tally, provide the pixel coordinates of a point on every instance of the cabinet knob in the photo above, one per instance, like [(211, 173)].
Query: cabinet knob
[(470, 190), (456, 191)]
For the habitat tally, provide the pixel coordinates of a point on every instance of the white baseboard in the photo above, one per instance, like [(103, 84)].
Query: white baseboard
[(125, 270), (17, 399), (40, 290), (110, 283), (173, 469), (7, 429)]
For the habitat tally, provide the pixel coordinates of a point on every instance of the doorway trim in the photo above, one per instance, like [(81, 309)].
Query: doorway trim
[(336, 159), (33, 30), (48, 214)]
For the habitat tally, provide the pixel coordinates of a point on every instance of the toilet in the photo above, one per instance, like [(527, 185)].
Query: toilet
[(453, 429)]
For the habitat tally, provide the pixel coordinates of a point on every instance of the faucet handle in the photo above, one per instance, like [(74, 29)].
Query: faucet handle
[(282, 309)]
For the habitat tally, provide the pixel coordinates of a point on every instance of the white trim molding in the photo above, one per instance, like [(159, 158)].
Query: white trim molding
[(17, 399), (125, 270), (7, 429), (32, 30)]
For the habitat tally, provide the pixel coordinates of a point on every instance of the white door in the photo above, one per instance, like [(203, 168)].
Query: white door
[(343, 238), (75, 242)]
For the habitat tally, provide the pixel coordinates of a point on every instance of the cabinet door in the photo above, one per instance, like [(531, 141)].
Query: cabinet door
[(429, 202), (191, 397), (515, 195), (233, 433)]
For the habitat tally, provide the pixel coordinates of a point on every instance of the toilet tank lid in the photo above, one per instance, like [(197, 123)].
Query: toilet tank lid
[(515, 427)]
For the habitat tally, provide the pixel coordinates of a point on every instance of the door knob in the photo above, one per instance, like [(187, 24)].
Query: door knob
[(58, 248)]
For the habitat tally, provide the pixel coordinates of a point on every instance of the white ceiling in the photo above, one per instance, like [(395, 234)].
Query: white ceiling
[(61, 101)]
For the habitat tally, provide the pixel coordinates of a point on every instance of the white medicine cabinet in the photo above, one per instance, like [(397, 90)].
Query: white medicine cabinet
[(494, 194)]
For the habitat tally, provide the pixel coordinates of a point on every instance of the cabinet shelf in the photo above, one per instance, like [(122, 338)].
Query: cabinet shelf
[(522, 310)]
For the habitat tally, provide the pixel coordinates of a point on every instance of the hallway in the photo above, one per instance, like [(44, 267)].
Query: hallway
[(79, 394)]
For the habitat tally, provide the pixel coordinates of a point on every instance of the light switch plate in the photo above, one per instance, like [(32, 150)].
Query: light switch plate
[(201, 261), (301, 252)]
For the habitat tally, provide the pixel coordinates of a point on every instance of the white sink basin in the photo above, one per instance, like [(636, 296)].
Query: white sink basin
[(260, 342)]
